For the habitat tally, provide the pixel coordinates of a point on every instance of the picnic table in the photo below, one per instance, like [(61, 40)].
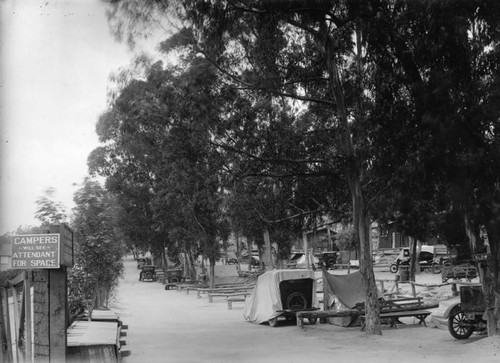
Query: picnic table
[(225, 289), (390, 309)]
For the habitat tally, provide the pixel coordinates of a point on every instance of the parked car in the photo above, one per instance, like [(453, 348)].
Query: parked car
[(425, 258), (281, 293), (148, 273), (466, 316), (254, 260), (328, 259), (141, 261)]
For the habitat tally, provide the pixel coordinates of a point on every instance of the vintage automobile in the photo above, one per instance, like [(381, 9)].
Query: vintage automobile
[(173, 276), (148, 273), (466, 316), (141, 261), (281, 293), (328, 259), (425, 259)]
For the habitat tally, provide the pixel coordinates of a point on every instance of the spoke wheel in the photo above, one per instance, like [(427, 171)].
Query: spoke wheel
[(436, 269), (459, 327), (296, 301)]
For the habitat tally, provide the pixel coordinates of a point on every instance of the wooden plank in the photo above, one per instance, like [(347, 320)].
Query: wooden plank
[(28, 293), (86, 333), (212, 295), (66, 247), (104, 315), (6, 322), (14, 329), (41, 315), (57, 314)]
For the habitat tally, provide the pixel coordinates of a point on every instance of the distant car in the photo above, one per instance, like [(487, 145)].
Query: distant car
[(254, 260), (327, 259), (141, 261), (425, 259), (148, 273)]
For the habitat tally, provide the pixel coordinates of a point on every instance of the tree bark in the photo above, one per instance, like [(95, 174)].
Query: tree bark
[(361, 218), (491, 280)]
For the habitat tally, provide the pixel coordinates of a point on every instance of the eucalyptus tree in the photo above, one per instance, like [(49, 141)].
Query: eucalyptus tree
[(302, 51), (98, 248), (49, 211), (441, 60), (389, 82)]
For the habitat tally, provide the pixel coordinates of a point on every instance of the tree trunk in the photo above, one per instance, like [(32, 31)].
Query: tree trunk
[(491, 280), (372, 306), (413, 265), (361, 219), (212, 271)]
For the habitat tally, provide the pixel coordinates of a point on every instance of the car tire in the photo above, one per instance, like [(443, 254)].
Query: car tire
[(436, 268), (174, 280), (148, 276), (457, 325), (296, 301), (394, 268)]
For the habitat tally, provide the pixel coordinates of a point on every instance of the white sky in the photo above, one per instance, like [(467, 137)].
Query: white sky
[(55, 59)]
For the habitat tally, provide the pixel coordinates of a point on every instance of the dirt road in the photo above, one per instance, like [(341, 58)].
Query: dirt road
[(172, 326)]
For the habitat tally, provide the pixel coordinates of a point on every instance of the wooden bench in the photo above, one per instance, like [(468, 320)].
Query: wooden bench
[(232, 299), (224, 290), (188, 287), (314, 315), (211, 295), (409, 303), (394, 316)]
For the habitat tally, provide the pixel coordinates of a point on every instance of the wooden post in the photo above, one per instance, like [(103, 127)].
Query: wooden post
[(29, 356), (306, 250), (41, 349), (58, 316), (6, 323), (413, 289)]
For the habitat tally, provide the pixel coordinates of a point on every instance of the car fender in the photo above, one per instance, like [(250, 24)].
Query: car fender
[(446, 313)]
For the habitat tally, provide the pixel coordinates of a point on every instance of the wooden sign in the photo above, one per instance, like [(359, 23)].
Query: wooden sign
[(43, 251), (36, 251), (66, 234)]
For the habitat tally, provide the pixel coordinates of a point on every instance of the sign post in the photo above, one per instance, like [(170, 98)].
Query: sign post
[(48, 256)]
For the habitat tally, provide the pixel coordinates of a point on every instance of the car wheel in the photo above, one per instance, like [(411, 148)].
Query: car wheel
[(148, 276), (394, 268), (458, 326), (436, 268), (296, 301), (312, 321), (174, 280), (273, 322)]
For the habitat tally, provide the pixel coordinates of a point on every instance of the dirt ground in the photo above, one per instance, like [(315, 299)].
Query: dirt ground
[(172, 326)]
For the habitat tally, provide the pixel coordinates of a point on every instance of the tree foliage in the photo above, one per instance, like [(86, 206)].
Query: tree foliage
[(395, 101), (98, 249), (49, 211)]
